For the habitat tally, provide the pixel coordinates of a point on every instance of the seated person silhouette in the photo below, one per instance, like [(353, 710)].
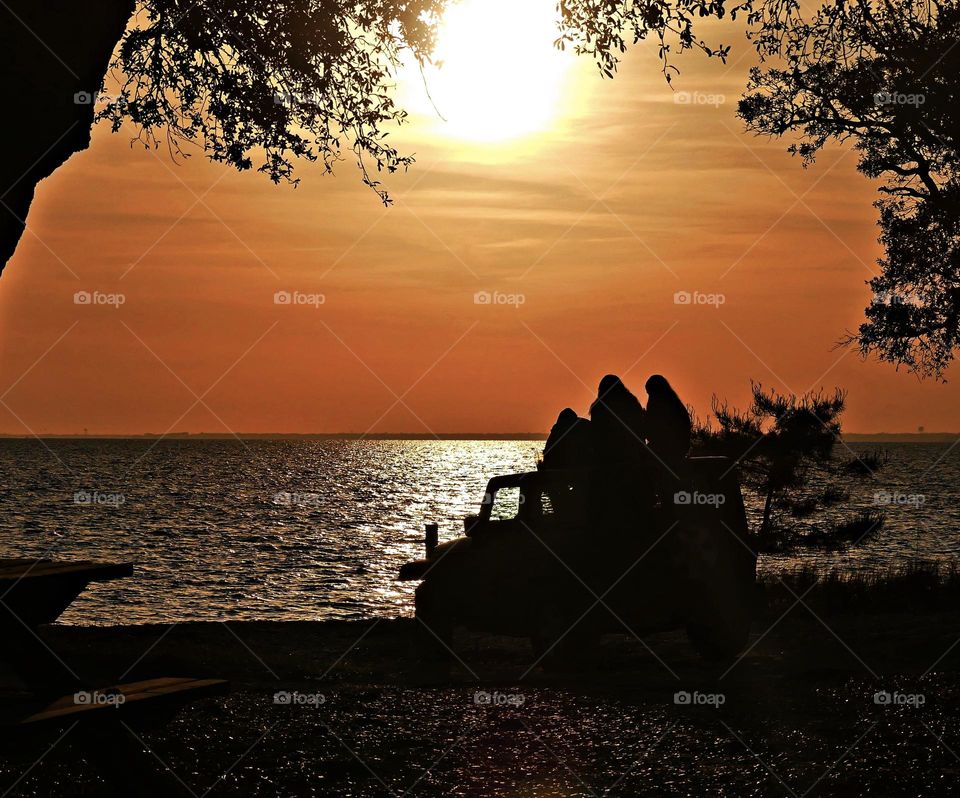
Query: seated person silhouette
[(618, 423), (668, 434), (622, 481), (570, 443), (569, 446), (668, 422)]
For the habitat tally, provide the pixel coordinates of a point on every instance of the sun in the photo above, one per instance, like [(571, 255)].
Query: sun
[(498, 74)]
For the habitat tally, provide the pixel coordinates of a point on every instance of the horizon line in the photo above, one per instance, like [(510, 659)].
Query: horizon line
[(521, 436)]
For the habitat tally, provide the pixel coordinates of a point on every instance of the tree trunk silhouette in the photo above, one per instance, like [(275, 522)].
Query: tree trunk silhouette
[(53, 56)]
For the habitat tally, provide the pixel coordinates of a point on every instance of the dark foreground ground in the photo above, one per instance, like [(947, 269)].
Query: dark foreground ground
[(796, 716)]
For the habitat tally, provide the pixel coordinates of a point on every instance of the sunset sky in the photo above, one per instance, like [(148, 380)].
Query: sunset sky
[(583, 204)]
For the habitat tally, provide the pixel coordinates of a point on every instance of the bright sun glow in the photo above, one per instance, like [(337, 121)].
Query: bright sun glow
[(501, 77)]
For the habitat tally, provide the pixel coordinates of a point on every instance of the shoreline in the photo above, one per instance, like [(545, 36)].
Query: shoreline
[(384, 650), (850, 437)]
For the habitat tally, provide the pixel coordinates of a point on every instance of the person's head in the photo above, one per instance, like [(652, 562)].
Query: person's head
[(613, 395), (657, 385), (567, 417), (610, 384), (661, 394)]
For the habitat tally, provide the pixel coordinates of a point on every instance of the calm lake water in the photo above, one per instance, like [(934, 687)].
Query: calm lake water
[(307, 530)]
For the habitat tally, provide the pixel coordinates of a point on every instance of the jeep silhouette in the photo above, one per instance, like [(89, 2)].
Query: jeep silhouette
[(542, 560)]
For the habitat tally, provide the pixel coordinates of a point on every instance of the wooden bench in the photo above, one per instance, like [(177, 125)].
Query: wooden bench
[(34, 592), (127, 702), (105, 733)]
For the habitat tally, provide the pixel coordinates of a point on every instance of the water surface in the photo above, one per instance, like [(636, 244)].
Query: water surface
[(308, 530)]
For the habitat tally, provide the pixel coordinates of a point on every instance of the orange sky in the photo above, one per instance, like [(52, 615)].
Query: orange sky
[(596, 221)]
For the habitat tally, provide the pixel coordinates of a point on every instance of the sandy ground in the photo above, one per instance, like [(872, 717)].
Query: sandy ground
[(796, 716)]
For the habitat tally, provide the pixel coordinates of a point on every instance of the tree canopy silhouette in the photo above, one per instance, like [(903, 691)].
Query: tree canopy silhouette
[(250, 83), (262, 84), (784, 445), (775, 439), (886, 77), (883, 75)]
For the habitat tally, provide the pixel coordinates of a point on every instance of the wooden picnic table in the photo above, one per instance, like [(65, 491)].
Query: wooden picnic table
[(36, 592)]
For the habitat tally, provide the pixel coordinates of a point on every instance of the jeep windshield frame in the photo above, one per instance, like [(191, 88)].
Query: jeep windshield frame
[(527, 482)]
